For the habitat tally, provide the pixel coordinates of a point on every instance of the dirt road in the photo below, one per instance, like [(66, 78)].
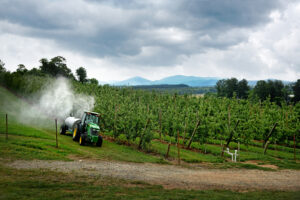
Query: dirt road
[(171, 176)]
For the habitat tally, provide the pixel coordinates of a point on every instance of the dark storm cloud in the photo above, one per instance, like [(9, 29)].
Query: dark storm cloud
[(228, 13), (122, 30), (27, 13)]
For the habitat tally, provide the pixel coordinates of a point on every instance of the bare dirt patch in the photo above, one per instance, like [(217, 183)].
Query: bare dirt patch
[(256, 162), (269, 166), (171, 176)]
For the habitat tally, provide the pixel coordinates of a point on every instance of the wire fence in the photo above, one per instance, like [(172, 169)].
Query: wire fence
[(9, 126)]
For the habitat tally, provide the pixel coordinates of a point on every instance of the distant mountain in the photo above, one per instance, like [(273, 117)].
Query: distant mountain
[(133, 81), (192, 81), (164, 86)]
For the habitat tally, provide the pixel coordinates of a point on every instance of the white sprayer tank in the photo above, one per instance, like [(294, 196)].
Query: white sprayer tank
[(70, 121)]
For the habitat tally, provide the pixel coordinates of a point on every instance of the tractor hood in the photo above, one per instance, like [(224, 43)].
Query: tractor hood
[(94, 126)]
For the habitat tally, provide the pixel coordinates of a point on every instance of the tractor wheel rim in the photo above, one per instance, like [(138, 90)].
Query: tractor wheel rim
[(74, 133)]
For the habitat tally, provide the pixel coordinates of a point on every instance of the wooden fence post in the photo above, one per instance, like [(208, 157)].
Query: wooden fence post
[(56, 133), (6, 127), (222, 148), (229, 117), (178, 147), (167, 154), (294, 147), (239, 151), (115, 119), (160, 126)]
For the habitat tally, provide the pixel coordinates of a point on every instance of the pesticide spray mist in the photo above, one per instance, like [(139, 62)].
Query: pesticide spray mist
[(56, 101)]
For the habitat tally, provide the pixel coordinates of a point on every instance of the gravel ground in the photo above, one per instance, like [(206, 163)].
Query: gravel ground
[(171, 176)]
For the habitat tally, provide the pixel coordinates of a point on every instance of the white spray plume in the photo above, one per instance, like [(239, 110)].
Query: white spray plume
[(56, 101)]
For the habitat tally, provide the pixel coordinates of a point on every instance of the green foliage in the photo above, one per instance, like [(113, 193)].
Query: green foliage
[(125, 114), (296, 90), (232, 87), (180, 89), (126, 111), (270, 89), (243, 89), (22, 69), (140, 114), (93, 81), (2, 68), (81, 74), (55, 67)]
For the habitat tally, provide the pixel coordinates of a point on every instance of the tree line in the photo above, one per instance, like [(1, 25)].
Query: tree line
[(275, 90), (54, 67)]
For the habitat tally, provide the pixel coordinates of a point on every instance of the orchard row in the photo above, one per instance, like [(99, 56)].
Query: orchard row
[(141, 114)]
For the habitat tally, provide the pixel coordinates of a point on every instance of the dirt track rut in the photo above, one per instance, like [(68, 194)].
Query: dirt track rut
[(171, 176)]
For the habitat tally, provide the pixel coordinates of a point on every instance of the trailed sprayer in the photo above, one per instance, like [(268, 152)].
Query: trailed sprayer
[(84, 130)]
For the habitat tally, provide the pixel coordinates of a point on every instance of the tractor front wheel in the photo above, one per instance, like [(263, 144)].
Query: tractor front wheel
[(81, 140), (99, 142)]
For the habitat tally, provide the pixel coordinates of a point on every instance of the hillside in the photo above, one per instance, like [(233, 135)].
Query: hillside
[(191, 81), (117, 167)]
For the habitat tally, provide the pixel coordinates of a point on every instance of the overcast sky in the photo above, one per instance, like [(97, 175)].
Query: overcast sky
[(119, 39)]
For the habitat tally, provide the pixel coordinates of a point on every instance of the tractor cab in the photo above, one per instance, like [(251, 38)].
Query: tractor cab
[(90, 129), (90, 118)]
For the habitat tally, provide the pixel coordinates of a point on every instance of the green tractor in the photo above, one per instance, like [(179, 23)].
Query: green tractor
[(85, 130)]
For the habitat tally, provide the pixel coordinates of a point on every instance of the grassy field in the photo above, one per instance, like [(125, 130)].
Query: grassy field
[(35, 139), (29, 141)]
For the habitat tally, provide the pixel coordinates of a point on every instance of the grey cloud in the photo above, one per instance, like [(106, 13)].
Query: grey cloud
[(29, 14), (229, 13), (119, 28)]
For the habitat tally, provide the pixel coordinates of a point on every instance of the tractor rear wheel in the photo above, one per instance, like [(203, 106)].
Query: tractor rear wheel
[(76, 132), (81, 140), (62, 130), (99, 142)]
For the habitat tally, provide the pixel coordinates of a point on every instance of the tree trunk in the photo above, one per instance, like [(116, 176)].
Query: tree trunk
[(141, 139), (56, 133), (266, 146), (194, 132), (266, 141), (231, 134), (183, 142), (230, 137), (6, 127)]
